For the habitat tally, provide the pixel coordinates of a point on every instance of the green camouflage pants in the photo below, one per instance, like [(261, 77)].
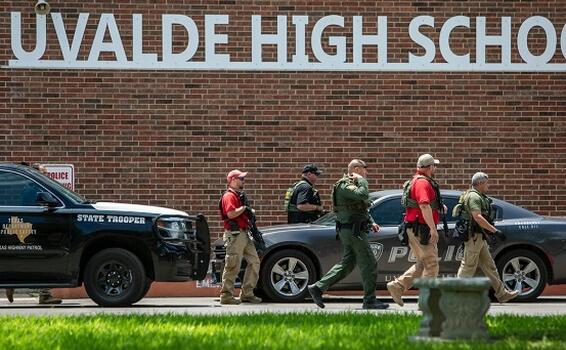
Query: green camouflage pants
[(355, 250)]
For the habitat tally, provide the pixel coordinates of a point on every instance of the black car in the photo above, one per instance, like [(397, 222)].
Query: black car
[(53, 237), (532, 255)]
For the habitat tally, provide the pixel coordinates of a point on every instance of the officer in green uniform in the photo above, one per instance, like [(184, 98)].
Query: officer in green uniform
[(475, 208), (350, 199)]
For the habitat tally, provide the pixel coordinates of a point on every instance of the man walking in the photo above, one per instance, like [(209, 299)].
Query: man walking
[(302, 200), (238, 243), (350, 199), (421, 215), (477, 212)]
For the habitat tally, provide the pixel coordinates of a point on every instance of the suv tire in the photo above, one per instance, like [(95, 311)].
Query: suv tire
[(115, 277), (277, 268)]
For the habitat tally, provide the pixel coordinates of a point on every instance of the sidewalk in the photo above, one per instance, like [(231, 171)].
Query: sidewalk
[(210, 305)]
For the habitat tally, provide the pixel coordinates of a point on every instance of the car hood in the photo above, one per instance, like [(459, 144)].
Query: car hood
[(270, 233), (136, 208)]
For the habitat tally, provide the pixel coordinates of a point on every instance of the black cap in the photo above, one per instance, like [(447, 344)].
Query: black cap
[(311, 168)]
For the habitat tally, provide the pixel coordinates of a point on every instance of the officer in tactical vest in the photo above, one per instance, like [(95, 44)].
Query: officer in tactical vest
[(235, 214), (423, 206), (350, 199), (477, 211), (302, 199)]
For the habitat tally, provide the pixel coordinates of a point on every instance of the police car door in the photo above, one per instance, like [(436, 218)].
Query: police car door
[(450, 251), (34, 240), (392, 258)]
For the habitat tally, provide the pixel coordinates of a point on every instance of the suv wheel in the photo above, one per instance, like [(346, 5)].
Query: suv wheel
[(115, 277), (286, 274), (524, 271)]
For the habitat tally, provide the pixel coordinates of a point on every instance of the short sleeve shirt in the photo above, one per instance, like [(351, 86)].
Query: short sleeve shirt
[(423, 193), (475, 202), (230, 202), (304, 194)]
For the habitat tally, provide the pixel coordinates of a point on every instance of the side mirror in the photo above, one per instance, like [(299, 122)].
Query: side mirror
[(46, 199)]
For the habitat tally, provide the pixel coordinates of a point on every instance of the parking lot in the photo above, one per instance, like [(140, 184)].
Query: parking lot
[(210, 305)]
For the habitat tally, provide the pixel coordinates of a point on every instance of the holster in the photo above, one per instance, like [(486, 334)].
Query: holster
[(402, 233), (234, 229), (357, 227), (424, 234), (461, 231)]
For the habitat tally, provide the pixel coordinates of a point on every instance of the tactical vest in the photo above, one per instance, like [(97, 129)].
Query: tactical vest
[(348, 180), (287, 205), (462, 210), (408, 202), (224, 216)]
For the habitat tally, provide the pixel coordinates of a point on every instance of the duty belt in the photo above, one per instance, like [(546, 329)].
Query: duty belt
[(239, 230), (350, 207), (347, 226)]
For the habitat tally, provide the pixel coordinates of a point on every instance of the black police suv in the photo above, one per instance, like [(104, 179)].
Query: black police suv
[(52, 237)]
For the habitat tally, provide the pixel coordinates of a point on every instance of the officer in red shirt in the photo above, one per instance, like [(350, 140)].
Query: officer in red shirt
[(238, 243), (424, 215)]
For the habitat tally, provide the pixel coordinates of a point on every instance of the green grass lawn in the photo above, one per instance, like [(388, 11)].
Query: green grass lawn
[(265, 331)]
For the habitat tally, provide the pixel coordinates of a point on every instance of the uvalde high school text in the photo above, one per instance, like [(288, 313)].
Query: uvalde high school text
[(211, 36)]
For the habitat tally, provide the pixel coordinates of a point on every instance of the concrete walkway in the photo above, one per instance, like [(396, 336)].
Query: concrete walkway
[(209, 306)]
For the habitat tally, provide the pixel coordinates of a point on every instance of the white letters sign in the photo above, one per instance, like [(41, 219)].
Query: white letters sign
[(108, 39)]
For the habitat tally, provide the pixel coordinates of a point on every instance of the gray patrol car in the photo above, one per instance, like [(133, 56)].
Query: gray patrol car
[(532, 256)]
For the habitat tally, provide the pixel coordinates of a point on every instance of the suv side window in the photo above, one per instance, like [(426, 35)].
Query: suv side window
[(451, 202), (498, 213), (388, 213), (16, 190)]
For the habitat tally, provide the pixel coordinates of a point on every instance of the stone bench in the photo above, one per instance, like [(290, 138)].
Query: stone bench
[(453, 308)]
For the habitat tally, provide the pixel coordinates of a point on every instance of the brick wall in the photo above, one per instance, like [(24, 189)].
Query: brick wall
[(169, 137)]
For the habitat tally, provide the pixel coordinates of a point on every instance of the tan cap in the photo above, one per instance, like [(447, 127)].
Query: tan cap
[(426, 160)]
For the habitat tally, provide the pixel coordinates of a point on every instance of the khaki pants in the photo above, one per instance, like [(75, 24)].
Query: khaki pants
[(476, 253), (239, 246), (426, 265)]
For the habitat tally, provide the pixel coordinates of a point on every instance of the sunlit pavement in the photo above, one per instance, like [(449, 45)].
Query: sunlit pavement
[(208, 306)]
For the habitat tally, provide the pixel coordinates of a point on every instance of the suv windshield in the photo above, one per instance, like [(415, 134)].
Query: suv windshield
[(75, 197)]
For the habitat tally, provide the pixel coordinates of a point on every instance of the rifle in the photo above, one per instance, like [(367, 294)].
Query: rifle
[(255, 233), (444, 223), (442, 212), (493, 238)]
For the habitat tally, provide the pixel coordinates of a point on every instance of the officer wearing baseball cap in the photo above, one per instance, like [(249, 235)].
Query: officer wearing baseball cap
[(423, 205), (238, 243), (426, 160), (302, 200)]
